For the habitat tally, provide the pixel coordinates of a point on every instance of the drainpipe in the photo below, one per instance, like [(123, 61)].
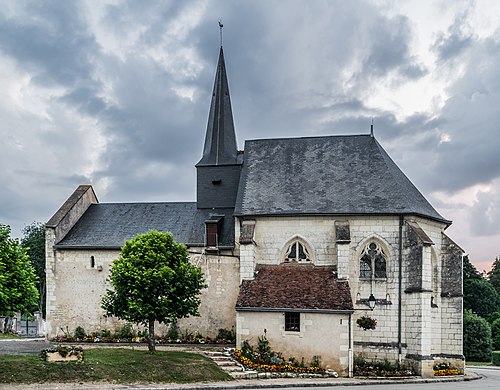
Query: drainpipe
[(350, 357), (400, 285)]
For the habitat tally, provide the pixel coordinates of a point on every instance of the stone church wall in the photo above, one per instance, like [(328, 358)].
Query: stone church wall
[(431, 318), (79, 288), (328, 333)]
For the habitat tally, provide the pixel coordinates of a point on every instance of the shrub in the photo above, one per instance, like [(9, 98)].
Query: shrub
[(495, 334), (226, 335), (496, 358), (315, 361), (125, 332), (477, 338), (383, 368), (264, 349), (79, 332), (173, 331), (493, 316)]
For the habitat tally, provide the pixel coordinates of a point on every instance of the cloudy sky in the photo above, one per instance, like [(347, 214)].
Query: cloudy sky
[(116, 94)]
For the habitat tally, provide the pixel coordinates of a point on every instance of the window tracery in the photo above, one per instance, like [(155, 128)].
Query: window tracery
[(373, 263), (297, 252)]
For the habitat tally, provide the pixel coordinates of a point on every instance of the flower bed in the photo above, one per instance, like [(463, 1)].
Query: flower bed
[(62, 354), (444, 369), (273, 364), (279, 367), (382, 368), (446, 372)]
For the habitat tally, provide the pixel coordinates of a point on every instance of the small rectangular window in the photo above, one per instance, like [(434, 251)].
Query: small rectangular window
[(212, 236), (292, 322)]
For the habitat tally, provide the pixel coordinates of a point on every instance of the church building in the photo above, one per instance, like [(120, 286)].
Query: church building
[(297, 238)]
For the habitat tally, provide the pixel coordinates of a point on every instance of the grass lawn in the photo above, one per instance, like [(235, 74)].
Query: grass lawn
[(467, 363), (114, 365), (9, 336)]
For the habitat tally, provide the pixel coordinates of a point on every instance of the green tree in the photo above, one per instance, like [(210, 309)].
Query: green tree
[(18, 291), (34, 242), (477, 338), (495, 334), (494, 275), (153, 280), (470, 272), (480, 297)]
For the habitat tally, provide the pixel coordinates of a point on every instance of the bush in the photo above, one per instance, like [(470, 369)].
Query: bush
[(226, 335), (493, 316), (173, 331), (125, 332), (79, 332), (495, 334), (383, 368), (477, 338), (496, 358)]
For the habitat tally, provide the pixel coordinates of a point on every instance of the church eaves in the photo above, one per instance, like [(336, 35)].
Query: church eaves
[(220, 141)]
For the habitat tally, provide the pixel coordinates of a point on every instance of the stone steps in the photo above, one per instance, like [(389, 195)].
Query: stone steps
[(231, 366)]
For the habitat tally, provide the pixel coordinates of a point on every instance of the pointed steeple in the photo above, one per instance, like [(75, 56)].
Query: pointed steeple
[(220, 140)]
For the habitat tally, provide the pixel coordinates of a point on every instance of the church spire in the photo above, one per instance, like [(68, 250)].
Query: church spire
[(220, 140)]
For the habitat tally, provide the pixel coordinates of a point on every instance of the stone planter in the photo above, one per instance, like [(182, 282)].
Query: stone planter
[(63, 354)]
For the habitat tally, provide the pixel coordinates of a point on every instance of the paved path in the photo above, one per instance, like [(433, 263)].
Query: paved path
[(23, 346)]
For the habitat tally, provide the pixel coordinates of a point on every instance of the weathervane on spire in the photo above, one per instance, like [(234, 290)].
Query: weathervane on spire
[(220, 28)]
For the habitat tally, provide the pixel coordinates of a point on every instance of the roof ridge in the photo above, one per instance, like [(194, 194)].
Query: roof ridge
[(308, 137)]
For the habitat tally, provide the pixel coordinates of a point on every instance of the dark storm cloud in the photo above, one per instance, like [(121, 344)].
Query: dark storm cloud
[(51, 41), (117, 95)]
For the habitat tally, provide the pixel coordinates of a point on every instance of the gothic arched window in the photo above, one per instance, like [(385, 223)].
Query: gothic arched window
[(297, 252), (372, 263)]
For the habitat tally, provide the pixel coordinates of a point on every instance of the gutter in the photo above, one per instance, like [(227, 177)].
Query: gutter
[(282, 309)]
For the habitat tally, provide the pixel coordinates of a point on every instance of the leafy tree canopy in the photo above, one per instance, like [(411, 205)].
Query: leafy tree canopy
[(495, 334), (470, 272), (34, 242), (480, 297), (153, 280), (18, 291), (494, 275), (477, 338)]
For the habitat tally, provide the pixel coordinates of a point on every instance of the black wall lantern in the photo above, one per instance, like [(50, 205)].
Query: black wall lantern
[(371, 302)]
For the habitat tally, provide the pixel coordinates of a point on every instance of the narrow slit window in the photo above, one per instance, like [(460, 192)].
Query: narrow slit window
[(92, 262)]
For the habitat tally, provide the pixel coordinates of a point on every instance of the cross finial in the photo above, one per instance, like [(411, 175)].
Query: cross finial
[(220, 29)]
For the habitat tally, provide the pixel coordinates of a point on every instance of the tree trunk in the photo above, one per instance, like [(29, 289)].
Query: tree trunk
[(151, 336)]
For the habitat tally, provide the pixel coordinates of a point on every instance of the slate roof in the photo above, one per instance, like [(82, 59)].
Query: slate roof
[(220, 140), (332, 175), (294, 286), (109, 225)]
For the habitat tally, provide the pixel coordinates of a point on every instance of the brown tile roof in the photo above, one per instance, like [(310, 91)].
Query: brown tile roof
[(294, 286)]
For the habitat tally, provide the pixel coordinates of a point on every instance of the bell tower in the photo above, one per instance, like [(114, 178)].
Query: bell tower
[(218, 171)]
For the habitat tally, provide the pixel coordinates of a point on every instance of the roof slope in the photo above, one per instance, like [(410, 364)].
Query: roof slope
[(335, 175), (220, 141), (294, 286), (109, 225)]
